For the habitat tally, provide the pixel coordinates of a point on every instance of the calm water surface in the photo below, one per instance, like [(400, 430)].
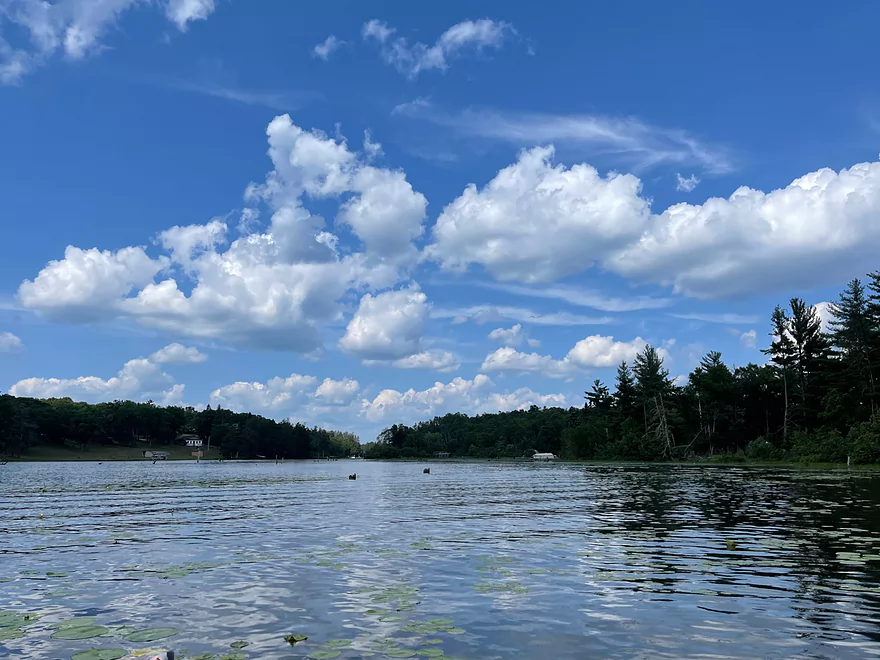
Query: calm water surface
[(475, 561)]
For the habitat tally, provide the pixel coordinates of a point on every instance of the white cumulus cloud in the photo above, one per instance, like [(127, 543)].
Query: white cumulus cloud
[(138, 379), (10, 343), (512, 336), (596, 351), (535, 222), (178, 354), (272, 289), (337, 392), (387, 326), (475, 396)]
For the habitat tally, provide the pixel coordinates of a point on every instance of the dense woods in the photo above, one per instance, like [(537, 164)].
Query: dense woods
[(62, 422), (815, 400)]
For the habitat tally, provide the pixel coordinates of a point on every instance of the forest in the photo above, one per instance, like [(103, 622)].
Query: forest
[(25, 423), (814, 400)]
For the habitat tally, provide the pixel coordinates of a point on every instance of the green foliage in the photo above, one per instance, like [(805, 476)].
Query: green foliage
[(823, 445), (864, 441), (761, 449), (28, 422), (811, 402)]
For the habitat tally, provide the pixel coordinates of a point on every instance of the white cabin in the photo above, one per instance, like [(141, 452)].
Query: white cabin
[(545, 456)]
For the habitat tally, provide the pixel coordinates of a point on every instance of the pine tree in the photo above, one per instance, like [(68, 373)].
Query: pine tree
[(598, 398), (852, 335), (625, 391), (811, 361), (782, 354)]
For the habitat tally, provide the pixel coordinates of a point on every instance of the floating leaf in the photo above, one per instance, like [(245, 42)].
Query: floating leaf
[(234, 656), (80, 632), (337, 643), (400, 653), (16, 619), (431, 653), (99, 654), (150, 634), (731, 545), (293, 639), (240, 644), (442, 622), (324, 655), (74, 623), (140, 653), (10, 632), (455, 631), (57, 574), (433, 641)]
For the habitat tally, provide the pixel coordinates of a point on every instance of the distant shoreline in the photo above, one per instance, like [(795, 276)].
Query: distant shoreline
[(108, 454)]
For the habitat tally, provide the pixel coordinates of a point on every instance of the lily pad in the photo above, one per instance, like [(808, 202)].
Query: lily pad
[(10, 632), (337, 643), (293, 639), (234, 656), (99, 654), (431, 653), (240, 644), (400, 653), (16, 619), (57, 574), (74, 623), (80, 632), (150, 634), (455, 631), (324, 655)]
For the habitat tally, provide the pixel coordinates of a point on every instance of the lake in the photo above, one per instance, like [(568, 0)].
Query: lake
[(475, 560)]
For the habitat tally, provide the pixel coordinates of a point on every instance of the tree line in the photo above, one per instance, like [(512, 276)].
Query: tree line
[(815, 399), (26, 422)]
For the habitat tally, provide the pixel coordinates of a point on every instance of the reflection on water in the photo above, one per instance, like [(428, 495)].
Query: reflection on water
[(472, 561)]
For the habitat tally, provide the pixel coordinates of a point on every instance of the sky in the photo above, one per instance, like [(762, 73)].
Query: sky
[(357, 214)]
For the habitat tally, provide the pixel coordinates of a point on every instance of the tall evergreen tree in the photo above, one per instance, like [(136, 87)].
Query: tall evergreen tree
[(853, 337), (811, 360), (625, 391), (782, 355), (598, 398)]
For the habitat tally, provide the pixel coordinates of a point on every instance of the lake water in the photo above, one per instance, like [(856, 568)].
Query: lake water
[(475, 560)]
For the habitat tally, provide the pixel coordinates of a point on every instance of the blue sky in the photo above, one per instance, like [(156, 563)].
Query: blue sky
[(357, 214)]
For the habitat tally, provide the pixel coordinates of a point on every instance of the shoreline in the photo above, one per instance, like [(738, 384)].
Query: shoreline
[(133, 454)]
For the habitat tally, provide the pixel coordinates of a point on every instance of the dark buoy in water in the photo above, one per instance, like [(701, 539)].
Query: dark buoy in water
[(353, 476), (426, 471)]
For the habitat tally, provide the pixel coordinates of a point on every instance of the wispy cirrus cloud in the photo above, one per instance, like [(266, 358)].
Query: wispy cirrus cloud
[(481, 314), (727, 319), (580, 297), (411, 60), (632, 140), (274, 99)]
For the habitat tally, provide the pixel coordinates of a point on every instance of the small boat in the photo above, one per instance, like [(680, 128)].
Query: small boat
[(544, 456)]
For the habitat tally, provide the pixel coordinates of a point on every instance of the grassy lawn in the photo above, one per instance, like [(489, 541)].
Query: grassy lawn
[(108, 453)]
